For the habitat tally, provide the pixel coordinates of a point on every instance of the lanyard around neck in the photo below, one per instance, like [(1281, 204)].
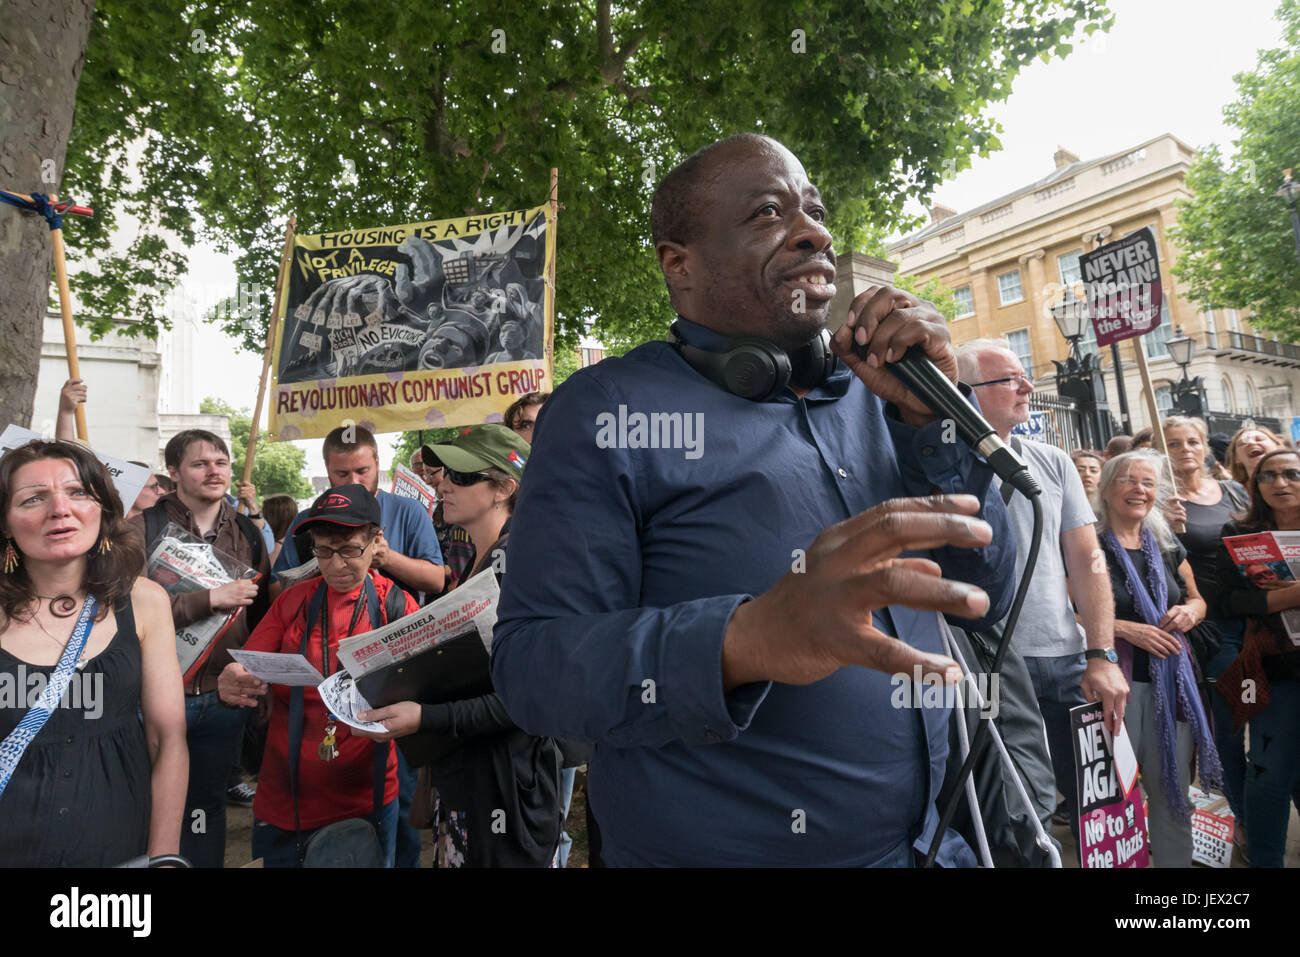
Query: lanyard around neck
[(366, 598)]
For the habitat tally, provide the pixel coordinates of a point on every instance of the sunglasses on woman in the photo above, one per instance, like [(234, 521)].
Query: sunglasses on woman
[(1268, 476), (466, 478)]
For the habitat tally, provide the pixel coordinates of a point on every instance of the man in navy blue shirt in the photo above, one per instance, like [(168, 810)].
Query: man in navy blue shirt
[(709, 587)]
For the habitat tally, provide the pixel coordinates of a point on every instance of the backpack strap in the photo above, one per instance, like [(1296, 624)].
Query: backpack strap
[(155, 520), (254, 536)]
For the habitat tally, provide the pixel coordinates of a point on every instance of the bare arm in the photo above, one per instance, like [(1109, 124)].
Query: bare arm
[(416, 572), (72, 393), (162, 702)]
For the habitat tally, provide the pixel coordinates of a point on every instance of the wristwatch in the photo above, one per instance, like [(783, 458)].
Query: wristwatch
[(1107, 653), (254, 515)]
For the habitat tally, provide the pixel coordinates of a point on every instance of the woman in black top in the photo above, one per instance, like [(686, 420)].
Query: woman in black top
[(102, 779), (1203, 505), (1262, 685), (1156, 603), (497, 787)]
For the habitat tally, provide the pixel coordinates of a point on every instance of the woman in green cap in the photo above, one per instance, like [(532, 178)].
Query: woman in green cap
[(496, 800)]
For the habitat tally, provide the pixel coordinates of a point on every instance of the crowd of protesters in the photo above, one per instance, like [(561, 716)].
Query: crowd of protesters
[(225, 725), (651, 623)]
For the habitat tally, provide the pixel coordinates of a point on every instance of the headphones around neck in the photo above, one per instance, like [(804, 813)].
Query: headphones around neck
[(756, 369)]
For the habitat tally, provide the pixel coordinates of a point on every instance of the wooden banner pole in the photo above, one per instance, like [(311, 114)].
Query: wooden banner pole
[(69, 330), (1153, 411), (270, 345)]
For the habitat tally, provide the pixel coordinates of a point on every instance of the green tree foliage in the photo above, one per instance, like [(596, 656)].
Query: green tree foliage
[(277, 467), (355, 114), (1238, 250)]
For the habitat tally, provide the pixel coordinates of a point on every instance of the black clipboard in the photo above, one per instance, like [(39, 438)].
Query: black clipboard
[(453, 669)]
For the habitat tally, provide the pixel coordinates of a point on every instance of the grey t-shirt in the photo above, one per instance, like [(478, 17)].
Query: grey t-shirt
[(1047, 627)]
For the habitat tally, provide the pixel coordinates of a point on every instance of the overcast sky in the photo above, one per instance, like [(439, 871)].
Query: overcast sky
[(1165, 67)]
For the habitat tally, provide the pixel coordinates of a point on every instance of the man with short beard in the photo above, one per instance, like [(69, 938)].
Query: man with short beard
[(199, 465)]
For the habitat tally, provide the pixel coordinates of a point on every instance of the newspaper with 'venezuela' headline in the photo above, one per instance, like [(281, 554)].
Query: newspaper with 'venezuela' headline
[(472, 605)]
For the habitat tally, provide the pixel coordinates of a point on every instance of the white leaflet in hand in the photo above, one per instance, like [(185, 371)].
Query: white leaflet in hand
[(472, 605), (344, 701), (278, 669), (127, 477), (1126, 762)]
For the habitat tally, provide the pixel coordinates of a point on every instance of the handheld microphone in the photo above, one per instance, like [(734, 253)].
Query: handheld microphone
[(937, 391)]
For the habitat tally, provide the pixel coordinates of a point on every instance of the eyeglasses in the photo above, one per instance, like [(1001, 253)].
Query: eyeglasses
[(1268, 476), (466, 478), (1130, 481), (1011, 380), (346, 552)]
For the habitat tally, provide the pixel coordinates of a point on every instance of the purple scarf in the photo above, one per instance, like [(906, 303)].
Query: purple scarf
[(1173, 683)]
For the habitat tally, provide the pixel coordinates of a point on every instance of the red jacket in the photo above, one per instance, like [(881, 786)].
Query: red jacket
[(328, 791)]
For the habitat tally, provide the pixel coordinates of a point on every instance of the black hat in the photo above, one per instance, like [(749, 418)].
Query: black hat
[(348, 506), (1219, 443)]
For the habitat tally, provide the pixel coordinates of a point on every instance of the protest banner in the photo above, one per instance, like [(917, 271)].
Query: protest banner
[(1122, 283), (407, 484), (414, 326), (182, 563), (128, 478), (1112, 825)]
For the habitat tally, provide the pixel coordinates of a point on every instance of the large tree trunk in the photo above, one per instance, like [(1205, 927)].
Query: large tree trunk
[(42, 51)]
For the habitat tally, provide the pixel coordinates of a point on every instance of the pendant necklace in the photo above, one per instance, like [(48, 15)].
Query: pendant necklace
[(328, 749)]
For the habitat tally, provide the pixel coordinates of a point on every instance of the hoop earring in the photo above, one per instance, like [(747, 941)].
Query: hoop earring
[(11, 557)]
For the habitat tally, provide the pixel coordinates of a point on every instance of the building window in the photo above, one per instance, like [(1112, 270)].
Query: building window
[(1157, 339), (965, 302), (1229, 397), (1088, 344), (1009, 287), (1019, 342), (591, 356), (1233, 323), (1068, 264), (1252, 397), (1210, 332), (1164, 400)]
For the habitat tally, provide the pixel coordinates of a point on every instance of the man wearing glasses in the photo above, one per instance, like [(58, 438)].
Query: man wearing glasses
[(1048, 635)]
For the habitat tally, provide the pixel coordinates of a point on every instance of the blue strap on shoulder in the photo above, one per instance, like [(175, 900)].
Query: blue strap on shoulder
[(13, 747)]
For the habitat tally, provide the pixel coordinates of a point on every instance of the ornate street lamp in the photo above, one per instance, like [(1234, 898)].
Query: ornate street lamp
[(1079, 376), (1188, 395), (1289, 191)]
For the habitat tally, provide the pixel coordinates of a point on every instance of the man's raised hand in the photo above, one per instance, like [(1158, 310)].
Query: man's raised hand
[(812, 623)]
